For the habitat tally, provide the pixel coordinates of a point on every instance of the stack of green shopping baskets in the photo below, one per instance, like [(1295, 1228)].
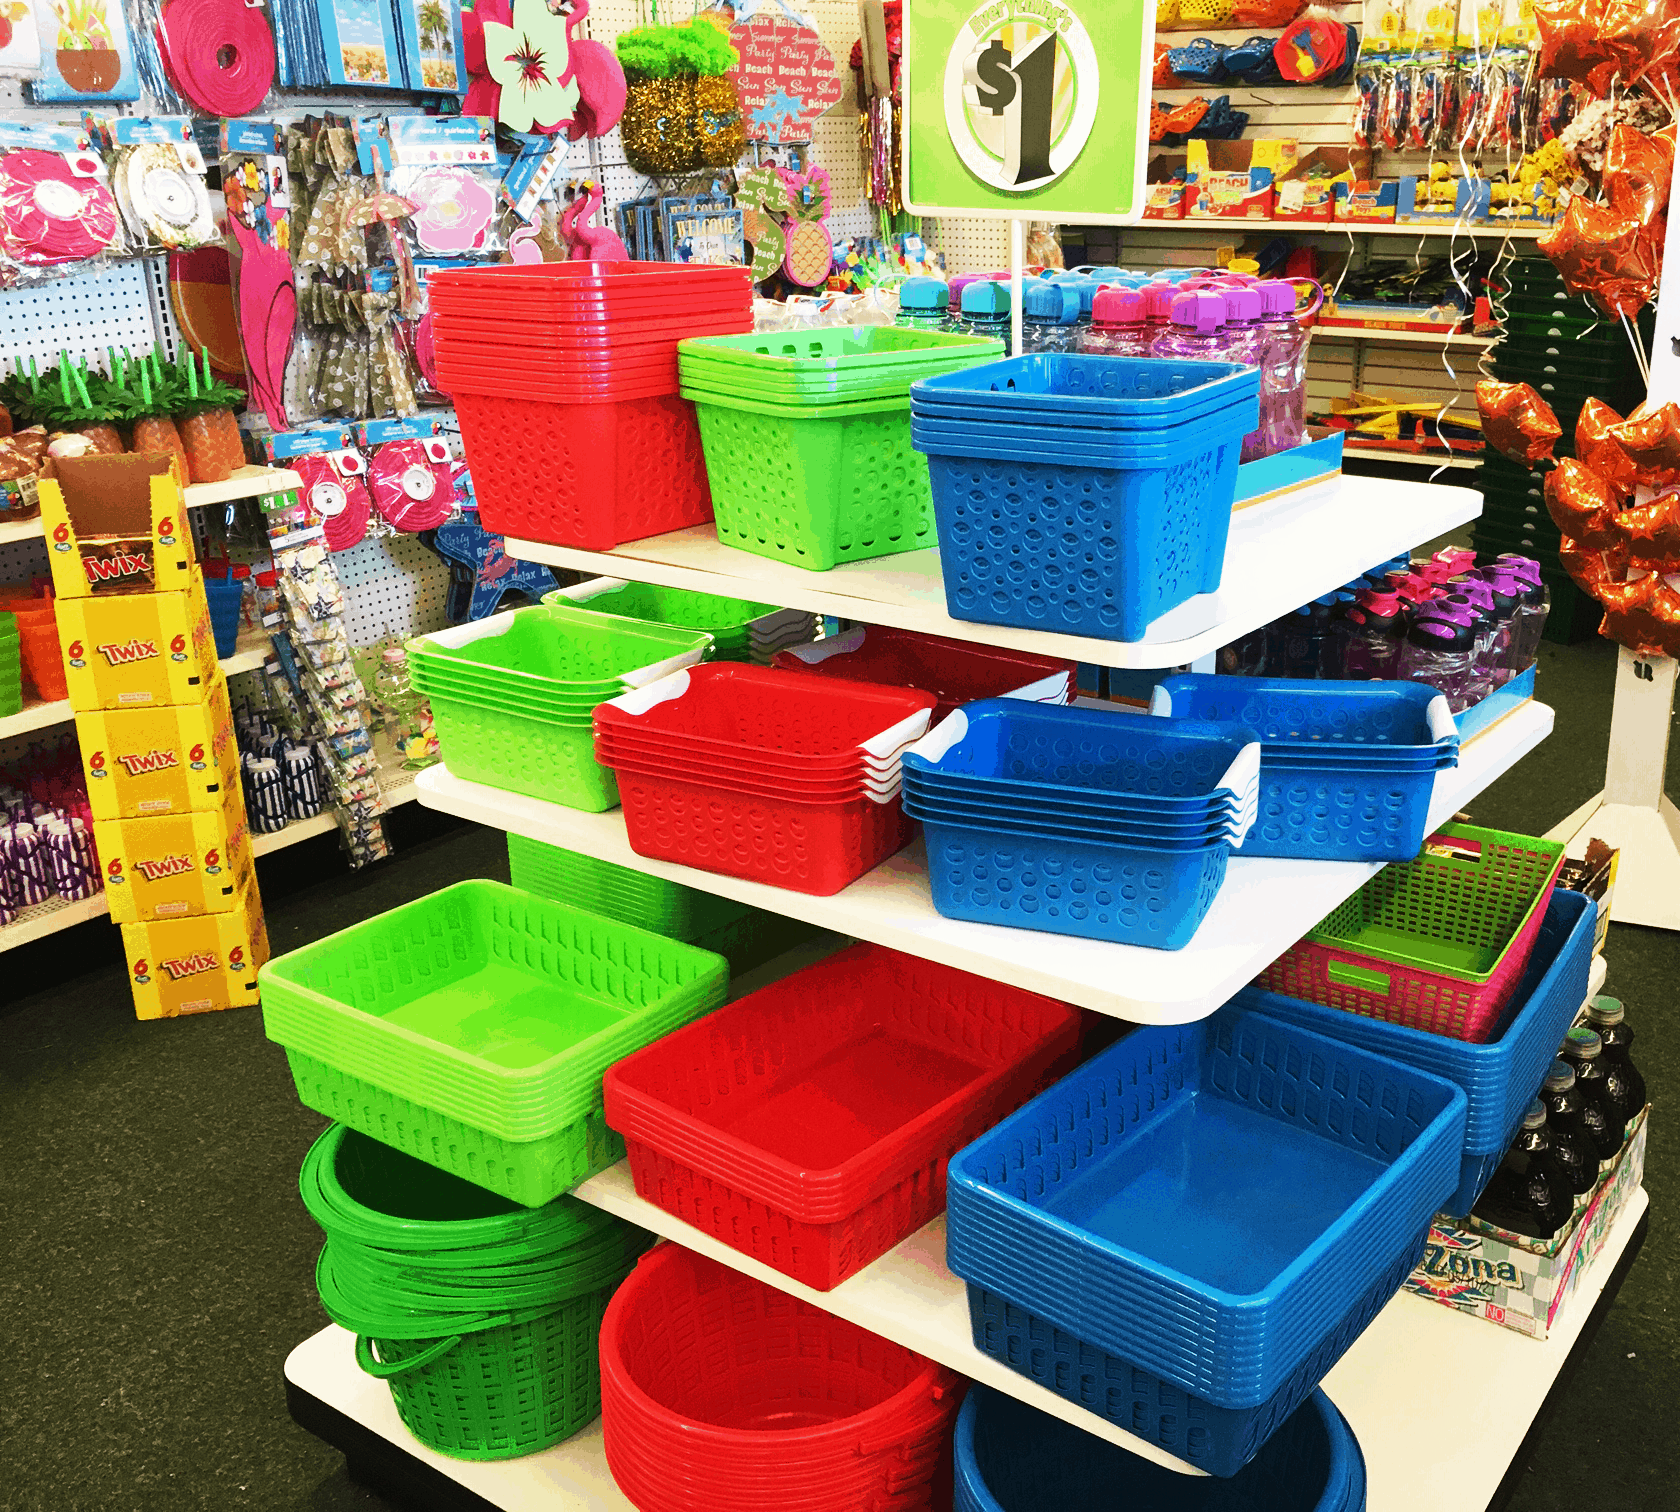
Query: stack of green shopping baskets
[(11, 666), (741, 630), (513, 695), (807, 437), (483, 1316), (1561, 345), (743, 935)]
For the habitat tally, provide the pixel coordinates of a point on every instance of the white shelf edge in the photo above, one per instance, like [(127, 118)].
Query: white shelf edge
[(1283, 553), (908, 1296), (1262, 909), (48, 918), (245, 483), (1337, 228), (1431, 460), (1400, 338)]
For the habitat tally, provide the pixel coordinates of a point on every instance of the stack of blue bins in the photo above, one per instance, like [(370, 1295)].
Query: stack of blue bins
[(1082, 494), (1347, 769), (1184, 1235), (1108, 825)]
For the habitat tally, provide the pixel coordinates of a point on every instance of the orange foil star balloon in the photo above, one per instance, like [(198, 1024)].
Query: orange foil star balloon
[(1651, 439), (1592, 569), (1638, 170), (1572, 42), (1651, 533), (1628, 616), (1582, 504), (1600, 450), (1636, 34), (1604, 254), (1516, 420)]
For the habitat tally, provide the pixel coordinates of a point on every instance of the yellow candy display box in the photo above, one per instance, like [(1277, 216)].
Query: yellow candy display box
[(198, 965), (116, 525), (175, 865), (137, 649), (169, 759)]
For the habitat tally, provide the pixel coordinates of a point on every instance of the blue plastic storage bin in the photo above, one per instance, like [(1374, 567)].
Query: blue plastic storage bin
[(1220, 1440), (1010, 1457), (1202, 1200), (224, 595), (1292, 716), (1499, 1077)]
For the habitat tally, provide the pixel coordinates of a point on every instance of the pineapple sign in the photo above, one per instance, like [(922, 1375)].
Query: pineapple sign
[(1027, 109)]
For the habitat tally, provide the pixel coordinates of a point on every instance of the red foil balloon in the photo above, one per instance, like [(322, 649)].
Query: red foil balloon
[(1651, 439), (1582, 504), (1516, 420), (1590, 568), (1635, 33), (1599, 449), (1572, 42), (1638, 172), (1602, 253), (1651, 533)]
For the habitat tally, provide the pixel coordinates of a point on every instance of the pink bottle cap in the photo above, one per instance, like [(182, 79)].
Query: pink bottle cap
[(1119, 307), (1243, 306), (1158, 300), (1202, 313), (1278, 295)]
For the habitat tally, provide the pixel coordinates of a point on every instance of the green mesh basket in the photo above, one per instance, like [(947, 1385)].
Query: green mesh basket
[(523, 754), (815, 487)]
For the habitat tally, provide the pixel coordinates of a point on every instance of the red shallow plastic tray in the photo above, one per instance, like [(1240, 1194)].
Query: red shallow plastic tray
[(719, 1392), (954, 671), (809, 1124), (587, 475), (817, 791)]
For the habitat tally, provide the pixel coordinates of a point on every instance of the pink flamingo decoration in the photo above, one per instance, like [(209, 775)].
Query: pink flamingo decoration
[(522, 245), (590, 243)]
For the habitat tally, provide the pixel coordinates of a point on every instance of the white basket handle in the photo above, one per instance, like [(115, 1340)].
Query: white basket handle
[(894, 738), (1443, 728), (457, 636), (1051, 689), (1242, 777), (947, 733), (835, 645), (643, 676), (652, 694), (581, 593), (1160, 701)]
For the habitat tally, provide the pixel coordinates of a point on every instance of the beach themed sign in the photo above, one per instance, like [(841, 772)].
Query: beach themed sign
[(786, 77)]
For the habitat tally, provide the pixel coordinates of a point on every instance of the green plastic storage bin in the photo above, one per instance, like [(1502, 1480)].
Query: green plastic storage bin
[(738, 627), (523, 753), (472, 1028), (815, 487), (837, 352)]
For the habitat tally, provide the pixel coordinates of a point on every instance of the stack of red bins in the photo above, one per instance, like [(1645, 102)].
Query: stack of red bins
[(774, 776), (809, 1124), (564, 376)]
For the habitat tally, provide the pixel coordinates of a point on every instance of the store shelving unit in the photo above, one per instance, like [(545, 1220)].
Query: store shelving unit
[(245, 483), (1429, 460), (1239, 226)]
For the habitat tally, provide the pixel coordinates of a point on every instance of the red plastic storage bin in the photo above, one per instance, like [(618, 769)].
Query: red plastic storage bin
[(585, 475), (809, 1124), (718, 1392)]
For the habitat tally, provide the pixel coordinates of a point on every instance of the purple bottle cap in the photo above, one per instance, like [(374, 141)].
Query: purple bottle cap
[(1243, 306), (1158, 300), (1202, 313), (1279, 296), (1474, 590), (1119, 307), (1524, 567)]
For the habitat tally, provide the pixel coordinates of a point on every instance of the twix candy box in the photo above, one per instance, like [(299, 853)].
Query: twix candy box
[(175, 865), (116, 525), (166, 759), (137, 649), (197, 965)]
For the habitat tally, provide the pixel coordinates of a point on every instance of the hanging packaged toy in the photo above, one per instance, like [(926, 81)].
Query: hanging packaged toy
[(56, 210), (86, 53), (409, 473), (158, 176), (334, 492)]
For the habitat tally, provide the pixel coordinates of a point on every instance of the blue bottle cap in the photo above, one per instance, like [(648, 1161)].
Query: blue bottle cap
[(1043, 300), (985, 298), (924, 294)]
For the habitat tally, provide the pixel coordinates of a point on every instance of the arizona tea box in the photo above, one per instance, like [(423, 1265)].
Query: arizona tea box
[(197, 965), (136, 650), (116, 525), (168, 759), (177, 865)]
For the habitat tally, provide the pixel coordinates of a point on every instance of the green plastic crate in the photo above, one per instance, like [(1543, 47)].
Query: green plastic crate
[(736, 625), (469, 1024), (523, 753), (838, 351), (821, 392), (815, 488)]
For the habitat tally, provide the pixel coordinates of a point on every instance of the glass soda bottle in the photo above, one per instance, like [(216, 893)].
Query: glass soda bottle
[(1572, 1143), (922, 304), (1117, 325), (1529, 1193), (1583, 1049), (1609, 1022)]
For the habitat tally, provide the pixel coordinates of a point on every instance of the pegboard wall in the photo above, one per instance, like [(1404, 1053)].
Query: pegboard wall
[(393, 585), (82, 315)]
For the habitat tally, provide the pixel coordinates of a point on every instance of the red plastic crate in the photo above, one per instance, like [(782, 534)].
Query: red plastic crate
[(719, 1392), (585, 475), (809, 1124)]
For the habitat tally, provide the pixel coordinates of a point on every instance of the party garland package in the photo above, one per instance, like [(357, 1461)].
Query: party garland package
[(448, 170), (158, 175), (57, 212), (409, 473)]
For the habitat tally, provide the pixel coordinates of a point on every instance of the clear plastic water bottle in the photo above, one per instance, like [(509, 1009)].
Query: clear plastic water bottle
[(1157, 311), (1245, 656), (1197, 330), (985, 312), (1283, 369), (1440, 650), (1508, 593), (922, 303), (405, 712), (1297, 647), (1571, 1142), (1536, 605), (1608, 1021), (1117, 325), (1529, 1193), (1049, 317), (1372, 632)]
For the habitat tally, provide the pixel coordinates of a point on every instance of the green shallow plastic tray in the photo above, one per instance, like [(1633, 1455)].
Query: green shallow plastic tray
[(838, 350), (523, 753), (729, 621), (556, 709), (486, 1005), (701, 374)]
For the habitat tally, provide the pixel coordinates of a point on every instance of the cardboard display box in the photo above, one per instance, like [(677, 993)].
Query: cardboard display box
[(1520, 1283), (1234, 180), (175, 865), (166, 759), (1368, 202), (116, 525), (197, 965), (137, 649), (1306, 191)]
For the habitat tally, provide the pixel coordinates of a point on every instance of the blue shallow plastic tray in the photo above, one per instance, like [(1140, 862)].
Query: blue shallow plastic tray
[(1220, 1440), (1349, 718), (1101, 448), (1011, 819), (1203, 1200), (1499, 1077), (1012, 1458)]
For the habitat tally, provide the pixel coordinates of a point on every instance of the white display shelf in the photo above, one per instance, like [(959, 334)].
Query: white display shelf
[(245, 483), (1400, 338), (1263, 908), (1282, 553), (50, 917), (1430, 460), (399, 788), (1233, 224)]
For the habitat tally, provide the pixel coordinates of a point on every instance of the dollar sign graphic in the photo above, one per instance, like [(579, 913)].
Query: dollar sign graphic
[(991, 77)]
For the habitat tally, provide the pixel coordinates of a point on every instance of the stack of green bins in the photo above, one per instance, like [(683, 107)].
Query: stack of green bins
[(745, 936), (513, 696), (741, 630), (482, 1316), (807, 437), (1555, 342), (11, 666)]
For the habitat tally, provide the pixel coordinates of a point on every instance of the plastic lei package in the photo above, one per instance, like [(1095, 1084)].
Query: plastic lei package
[(409, 473), (57, 212), (158, 176)]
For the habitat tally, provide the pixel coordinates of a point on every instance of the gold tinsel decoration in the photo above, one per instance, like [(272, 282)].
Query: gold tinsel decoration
[(722, 129), (660, 125)]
